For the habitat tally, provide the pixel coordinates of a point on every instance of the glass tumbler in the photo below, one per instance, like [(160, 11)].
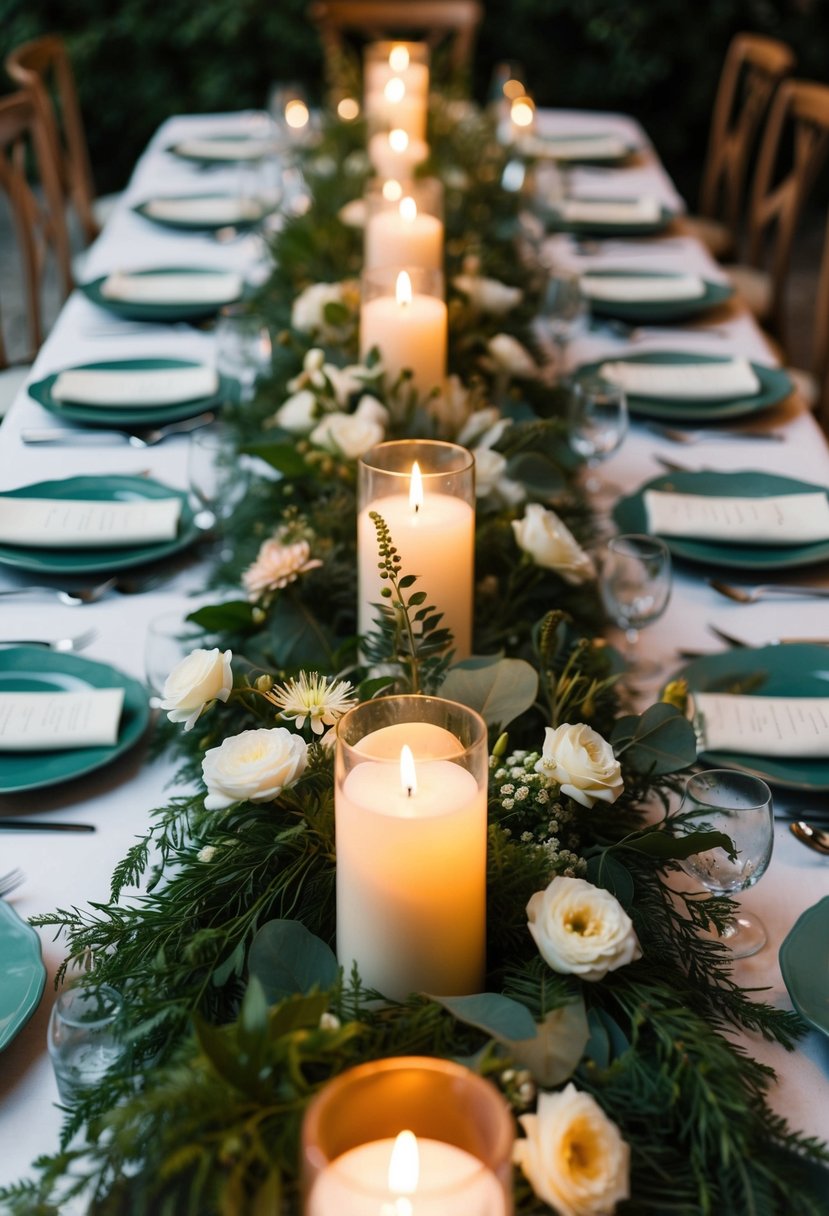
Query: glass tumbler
[(85, 1037)]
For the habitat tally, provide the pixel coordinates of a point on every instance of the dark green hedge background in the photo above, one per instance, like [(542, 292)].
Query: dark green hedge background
[(138, 61)]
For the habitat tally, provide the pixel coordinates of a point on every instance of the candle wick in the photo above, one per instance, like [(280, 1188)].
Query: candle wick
[(417, 507), (409, 791)]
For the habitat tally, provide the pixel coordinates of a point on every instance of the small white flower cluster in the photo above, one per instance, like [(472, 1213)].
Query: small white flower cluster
[(318, 407), (533, 814)]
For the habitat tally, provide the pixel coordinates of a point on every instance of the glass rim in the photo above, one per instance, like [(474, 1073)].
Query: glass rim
[(480, 732), (717, 775), (655, 543), (464, 457), (89, 993)]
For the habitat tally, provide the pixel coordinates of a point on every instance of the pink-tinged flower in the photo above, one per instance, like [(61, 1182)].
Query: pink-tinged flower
[(276, 566)]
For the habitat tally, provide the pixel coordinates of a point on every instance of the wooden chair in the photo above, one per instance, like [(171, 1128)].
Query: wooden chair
[(754, 65), (454, 22), (796, 137), (43, 67)]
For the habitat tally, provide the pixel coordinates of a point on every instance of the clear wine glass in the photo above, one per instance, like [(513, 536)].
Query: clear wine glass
[(598, 422), (243, 348), (216, 482), (740, 806), (636, 586), (562, 313)]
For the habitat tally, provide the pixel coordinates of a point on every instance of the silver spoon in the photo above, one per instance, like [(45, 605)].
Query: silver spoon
[(812, 837)]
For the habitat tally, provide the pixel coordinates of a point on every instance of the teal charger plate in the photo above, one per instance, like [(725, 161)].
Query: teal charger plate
[(659, 312), (196, 225), (557, 223), (24, 975), (804, 963), (131, 310)]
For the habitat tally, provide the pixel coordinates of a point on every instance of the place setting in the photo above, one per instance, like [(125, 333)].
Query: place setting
[(603, 216), (167, 293), (651, 297)]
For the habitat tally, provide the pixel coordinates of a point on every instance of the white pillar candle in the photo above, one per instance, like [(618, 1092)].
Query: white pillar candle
[(410, 330), (396, 154), (403, 236), (398, 106), (449, 1180), (411, 875), (407, 62)]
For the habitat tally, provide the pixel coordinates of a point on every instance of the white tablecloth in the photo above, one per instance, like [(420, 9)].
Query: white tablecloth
[(70, 870)]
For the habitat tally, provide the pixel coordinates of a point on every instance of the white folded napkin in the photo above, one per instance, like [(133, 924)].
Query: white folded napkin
[(763, 726), (176, 288), (582, 147), (57, 721), (68, 523), (721, 381), (777, 520), (158, 386), (644, 287), (218, 148), (610, 211), (213, 209)]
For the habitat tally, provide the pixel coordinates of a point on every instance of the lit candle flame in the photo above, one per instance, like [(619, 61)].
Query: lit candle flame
[(522, 112), (395, 90), (399, 58), (398, 140), (408, 210), (513, 88), (392, 191), (416, 488), (296, 114), (408, 780), (403, 289), (348, 109)]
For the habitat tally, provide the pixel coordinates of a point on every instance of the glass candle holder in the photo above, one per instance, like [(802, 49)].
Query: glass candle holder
[(463, 1134), (411, 830), (396, 85), (403, 314), (404, 224), (394, 152), (425, 492)]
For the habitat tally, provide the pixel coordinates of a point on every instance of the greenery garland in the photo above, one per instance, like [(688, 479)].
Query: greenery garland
[(237, 1012)]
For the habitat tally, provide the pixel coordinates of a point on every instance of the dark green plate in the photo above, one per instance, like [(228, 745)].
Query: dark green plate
[(640, 312), (804, 962), (631, 515), (557, 223), (140, 311), (775, 386), (180, 149), (104, 488), (195, 225), (797, 669), (24, 976), (126, 415), (34, 669)]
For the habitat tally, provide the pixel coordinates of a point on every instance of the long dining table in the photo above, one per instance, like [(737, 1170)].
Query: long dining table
[(64, 871)]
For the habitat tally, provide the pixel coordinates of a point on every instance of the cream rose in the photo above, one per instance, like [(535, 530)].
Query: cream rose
[(372, 410), (581, 762), (347, 435), (581, 929), (491, 479), (202, 677), (573, 1155), (254, 766), (488, 295), (308, 311), (551, 544), (510, 356), (298, 413)]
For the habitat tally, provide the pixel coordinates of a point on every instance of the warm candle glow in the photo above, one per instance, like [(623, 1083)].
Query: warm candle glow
[(392, 190), (408, 209), (348, 109), (399, 58), (513, 89), (398, 140), (404, 1166), (408, 781), (416, 488), (403, 289), (296, 114), (522, 112), (395, 90)]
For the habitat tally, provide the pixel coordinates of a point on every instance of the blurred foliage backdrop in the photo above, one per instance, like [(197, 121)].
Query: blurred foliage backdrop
[(138, 61)]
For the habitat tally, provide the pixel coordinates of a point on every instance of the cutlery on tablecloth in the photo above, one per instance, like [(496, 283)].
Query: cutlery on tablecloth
[(11, 881), (43, 825), (79, 642), (813, 837), (708, 435), (750, 595), (136, 438), (740, 643)]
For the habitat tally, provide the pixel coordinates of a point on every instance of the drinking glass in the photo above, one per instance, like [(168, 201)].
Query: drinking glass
[(243, 348), (636, 586), (169, 640), (84, 1037), (216, 482), (598, 422), (740, 806), (562, 313)]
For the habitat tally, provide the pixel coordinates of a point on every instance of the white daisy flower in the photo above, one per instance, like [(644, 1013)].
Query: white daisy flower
[(311, 696)]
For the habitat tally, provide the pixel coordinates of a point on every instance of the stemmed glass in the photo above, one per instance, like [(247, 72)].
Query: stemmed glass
[(562, 312), (598, 422), (215, 484), (740, 806), (243, 348), (636, 586)]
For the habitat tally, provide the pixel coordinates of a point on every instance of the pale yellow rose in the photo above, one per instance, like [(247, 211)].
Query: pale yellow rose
[(578, 759), (551, 544), (203, 676), (581, 929), (254, 766)]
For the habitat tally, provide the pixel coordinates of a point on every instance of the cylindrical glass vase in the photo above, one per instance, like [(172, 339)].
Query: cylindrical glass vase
[(404, 229), (404, 316)]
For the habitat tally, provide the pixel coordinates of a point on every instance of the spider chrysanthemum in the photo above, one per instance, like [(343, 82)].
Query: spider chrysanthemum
[(313, 697)]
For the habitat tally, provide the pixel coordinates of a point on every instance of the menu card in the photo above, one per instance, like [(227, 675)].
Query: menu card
[(53, 721), (797, 727), (213, 209), (723, 380), (227, 148), (610, 211), (73, 523), (778, 519), (642, 287), (173, 288), (111, 387)]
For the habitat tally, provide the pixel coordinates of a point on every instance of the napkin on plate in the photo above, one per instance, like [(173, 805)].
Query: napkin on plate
[(763, 726), (71, 523), (724, 380), (217, 148), (783, 519), (647, 287), (581, 147), (215, 209), (173, 288), (644, 210), (57, 721), (158, 386)]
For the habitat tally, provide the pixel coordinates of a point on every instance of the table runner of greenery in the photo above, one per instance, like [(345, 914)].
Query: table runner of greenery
[(237, 1012)]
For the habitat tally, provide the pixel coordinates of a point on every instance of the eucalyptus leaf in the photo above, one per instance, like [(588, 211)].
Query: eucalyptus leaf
[(217, 618), (607, 1039), (661, 740), (287, 958), (537, 473), (500, 690), (607, 871), (216, 1046), (666, 847), (498, 1016), (281, 456), (553, 1053), (299, 637)]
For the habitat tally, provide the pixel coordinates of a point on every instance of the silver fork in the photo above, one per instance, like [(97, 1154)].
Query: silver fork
[(708, 434), (137, 439), (750, 595), (11, 881), (81, 595), (78, 642)]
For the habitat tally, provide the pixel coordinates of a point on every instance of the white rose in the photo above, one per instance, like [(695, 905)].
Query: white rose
[(344, 380), (299, 413), (353, 214), (510, 356), (488, 295), (451, 405), (308, 311), (550, 543), (483, 425), (204, 676), (582, 763), (372, 410), (581, 929), (347, 435), (573, 1155), (491, 479), (254, 766)]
